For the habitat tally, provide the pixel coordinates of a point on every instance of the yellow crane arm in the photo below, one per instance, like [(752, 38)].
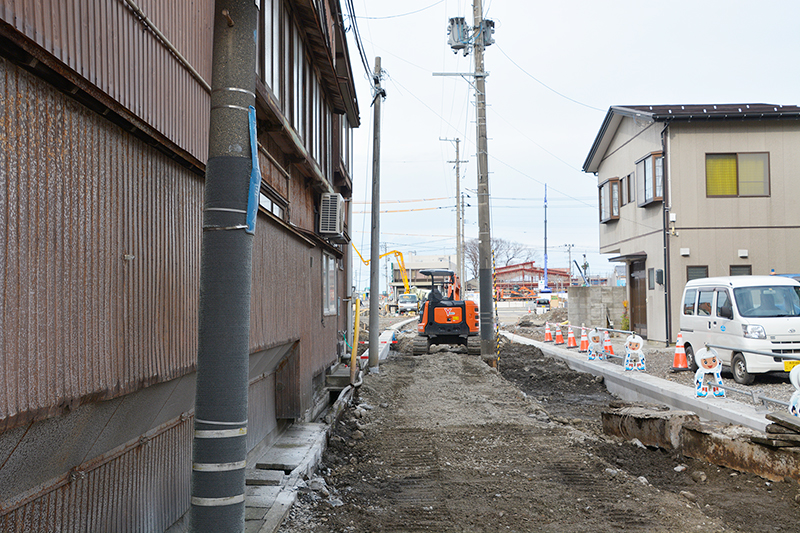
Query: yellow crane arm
[(400, 263)]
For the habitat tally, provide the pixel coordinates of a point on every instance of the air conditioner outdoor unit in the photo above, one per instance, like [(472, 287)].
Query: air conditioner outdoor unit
[(331, 215)]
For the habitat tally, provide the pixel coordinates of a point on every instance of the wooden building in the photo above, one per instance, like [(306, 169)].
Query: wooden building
[(105, 106)]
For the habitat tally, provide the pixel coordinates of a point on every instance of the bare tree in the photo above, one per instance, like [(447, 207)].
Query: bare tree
[(505, 253)]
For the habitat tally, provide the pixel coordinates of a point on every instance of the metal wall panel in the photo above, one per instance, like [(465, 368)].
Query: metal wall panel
[(144, 486), (105, 42), (287, 305), (100, 240)]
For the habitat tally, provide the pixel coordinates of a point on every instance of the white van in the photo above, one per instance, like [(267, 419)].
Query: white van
[(759, 313)]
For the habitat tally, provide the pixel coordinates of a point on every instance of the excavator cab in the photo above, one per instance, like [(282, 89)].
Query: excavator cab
[(444, 318)]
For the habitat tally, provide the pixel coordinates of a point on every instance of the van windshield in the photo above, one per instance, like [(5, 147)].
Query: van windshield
[(768, 301)]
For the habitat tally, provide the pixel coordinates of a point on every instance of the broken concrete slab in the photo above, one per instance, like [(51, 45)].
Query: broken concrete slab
[(272, 478), (653, 427), (731, 447)]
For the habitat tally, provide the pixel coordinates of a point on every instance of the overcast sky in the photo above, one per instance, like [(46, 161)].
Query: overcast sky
[(554, 71)]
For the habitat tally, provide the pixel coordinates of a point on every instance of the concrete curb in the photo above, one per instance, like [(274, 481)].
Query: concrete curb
[(308, 439), (642, 387), (385, 338)]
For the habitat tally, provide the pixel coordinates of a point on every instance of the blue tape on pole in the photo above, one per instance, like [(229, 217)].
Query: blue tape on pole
[(255, 176)]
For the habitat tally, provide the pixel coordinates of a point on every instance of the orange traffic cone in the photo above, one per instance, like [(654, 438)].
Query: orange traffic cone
[(548, 336), (571, 338), (679, 363), (559, 335), (584, 341), (607, 345)]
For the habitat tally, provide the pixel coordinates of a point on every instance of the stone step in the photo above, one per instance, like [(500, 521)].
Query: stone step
[(261, 477)]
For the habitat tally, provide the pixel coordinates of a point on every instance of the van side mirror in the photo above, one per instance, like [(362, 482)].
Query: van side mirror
[(726, 311)]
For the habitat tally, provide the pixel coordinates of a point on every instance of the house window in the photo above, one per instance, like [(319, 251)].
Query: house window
[(609, 200), (271, 202), (696, 272), (650, 179), (651, 278), (328, 284), (741, 270), (737, 175)]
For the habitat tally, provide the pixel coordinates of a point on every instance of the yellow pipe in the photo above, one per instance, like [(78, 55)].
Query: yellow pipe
[(354, 353)]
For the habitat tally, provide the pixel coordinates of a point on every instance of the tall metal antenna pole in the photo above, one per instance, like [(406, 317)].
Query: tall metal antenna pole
[(484, 223)]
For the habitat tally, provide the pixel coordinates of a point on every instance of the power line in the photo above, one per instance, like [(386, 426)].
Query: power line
[(357, 37), (403, 14), (543, 84)]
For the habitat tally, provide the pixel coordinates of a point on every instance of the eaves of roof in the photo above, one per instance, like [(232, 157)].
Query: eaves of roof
[(670, 113)]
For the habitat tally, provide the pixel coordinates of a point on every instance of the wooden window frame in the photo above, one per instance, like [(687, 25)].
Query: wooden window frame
[(606, 191), (656, 160)]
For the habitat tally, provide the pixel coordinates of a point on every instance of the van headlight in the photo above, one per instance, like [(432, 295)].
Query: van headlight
[(754, 332)]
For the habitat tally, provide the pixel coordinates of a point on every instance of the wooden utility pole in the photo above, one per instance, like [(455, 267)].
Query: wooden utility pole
[(375, 252)]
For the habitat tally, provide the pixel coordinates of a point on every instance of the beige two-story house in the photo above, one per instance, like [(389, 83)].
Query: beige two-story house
[(690, 191)]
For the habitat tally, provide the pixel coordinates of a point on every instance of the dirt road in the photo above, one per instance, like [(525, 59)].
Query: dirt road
[(445, 443)]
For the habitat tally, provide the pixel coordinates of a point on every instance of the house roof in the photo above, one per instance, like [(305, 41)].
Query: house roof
[(678, 112)]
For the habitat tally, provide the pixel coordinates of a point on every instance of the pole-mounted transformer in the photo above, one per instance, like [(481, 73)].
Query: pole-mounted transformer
[(462, 37)]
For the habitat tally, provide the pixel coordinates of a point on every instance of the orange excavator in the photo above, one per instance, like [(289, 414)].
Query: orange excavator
[(446, 319)]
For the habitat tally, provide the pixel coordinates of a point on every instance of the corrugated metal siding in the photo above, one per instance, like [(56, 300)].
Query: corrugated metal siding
[(106, 43), (100, 240), (287, 302), (145, 488)]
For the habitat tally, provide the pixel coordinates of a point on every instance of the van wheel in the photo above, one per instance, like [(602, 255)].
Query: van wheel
[(690, 358), (739, 369)]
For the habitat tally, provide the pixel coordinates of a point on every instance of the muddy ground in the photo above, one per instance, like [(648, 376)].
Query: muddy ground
[(442, 442)]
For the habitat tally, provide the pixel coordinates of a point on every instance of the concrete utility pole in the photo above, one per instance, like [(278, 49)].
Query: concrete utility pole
[(374, 261), (484, 223), (569, 251), (229, 212), (459, 215)]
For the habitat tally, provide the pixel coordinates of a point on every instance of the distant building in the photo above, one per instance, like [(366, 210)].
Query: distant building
[(689, 191), (414, 263)]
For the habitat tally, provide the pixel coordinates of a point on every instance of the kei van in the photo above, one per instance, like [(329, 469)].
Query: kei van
[(743, 314)]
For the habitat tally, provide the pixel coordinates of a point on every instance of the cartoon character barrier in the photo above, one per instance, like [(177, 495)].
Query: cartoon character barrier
[(794, 401), (708, 363), (633, 350), (596, 346)]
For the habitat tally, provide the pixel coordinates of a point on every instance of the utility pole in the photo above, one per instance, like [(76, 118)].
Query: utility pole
[(229, 212), (459, 214), (480, 38), (545, 236), (569, 251), (374, 262), (484, 223)]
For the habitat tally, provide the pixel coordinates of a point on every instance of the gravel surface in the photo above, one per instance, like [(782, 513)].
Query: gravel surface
[(442, 442), (660, 360)]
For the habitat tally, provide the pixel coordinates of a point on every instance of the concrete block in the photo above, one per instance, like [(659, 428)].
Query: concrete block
[(651, 427), (267, 478), (261, 497), (721, 446), (255, 513)]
